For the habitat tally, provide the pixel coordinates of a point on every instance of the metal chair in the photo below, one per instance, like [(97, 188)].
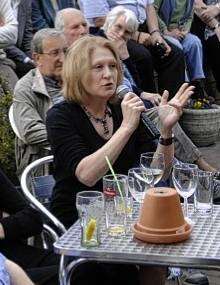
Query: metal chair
[(12, 122), (35, 188), (38, 190)]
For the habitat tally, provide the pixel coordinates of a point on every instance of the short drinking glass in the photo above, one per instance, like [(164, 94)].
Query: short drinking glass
[(117, 203), (90, 207)]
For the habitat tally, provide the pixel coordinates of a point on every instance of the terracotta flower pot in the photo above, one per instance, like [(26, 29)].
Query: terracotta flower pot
[(161, 218)]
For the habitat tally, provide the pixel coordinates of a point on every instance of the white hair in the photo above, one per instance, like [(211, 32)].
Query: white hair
[(59, 20), (130, 18)]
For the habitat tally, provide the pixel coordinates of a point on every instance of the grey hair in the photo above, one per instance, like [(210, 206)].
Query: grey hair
[(130, 18), (59, 20), (41, 35)]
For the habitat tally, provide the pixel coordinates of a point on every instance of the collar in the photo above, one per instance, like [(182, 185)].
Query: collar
[(39, 85)]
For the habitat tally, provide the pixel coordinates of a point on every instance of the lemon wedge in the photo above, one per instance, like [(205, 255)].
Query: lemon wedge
[(91, 226)]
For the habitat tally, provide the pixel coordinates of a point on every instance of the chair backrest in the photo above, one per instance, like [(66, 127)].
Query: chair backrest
[(38, 190), (42, 188), (12, 122)]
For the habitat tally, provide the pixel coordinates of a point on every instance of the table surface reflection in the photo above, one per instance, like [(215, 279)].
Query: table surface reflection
[(201, 250)]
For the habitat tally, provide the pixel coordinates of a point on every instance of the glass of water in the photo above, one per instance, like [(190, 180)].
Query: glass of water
[(90, 207), (203, 200)]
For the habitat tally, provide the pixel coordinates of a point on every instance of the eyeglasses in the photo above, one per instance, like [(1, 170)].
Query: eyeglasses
[(56, 52)]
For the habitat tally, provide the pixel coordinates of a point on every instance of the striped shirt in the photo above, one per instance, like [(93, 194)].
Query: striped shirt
[(4, 276), (99, 8)]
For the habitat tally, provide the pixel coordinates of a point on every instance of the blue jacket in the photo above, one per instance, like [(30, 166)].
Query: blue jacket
[(43, 13)]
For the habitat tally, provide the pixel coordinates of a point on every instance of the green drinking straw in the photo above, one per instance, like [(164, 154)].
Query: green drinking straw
[(115, 177)]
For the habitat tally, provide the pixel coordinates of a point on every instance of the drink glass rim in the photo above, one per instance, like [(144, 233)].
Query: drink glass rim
[(202, 173), (89, 194), (152, 154), (110, 177), (186, 166)]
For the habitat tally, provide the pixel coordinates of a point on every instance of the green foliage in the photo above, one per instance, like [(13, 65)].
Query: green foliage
[(7, 157)]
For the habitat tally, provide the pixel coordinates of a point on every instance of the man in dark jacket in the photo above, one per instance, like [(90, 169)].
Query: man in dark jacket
[(44, 12), (20, 53), (18, 221)]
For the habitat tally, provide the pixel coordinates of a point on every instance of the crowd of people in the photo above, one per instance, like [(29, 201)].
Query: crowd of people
[(66, 63)]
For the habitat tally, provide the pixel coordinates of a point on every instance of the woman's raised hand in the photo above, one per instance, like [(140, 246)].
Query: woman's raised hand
[(171, 111), (132, 106)]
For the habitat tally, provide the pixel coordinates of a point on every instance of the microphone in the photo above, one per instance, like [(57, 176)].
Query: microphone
[(150, 127)]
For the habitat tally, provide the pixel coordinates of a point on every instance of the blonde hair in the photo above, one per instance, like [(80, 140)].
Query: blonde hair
[(78, 62)]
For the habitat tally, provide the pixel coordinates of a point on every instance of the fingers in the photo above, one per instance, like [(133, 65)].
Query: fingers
[(184, 87), (164, 97), (133, 101)]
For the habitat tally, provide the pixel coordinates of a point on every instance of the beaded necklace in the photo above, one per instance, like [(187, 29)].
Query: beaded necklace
[(102, 121)]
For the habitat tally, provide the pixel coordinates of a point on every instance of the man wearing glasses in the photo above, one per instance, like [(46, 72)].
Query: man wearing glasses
[(35, 93)]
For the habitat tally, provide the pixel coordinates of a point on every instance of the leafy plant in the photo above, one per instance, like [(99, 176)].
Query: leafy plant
[(199, 103), (7, 156)]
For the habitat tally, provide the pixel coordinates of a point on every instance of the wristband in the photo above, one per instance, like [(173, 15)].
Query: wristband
[(155, 31), (167, 141), (216, 26)]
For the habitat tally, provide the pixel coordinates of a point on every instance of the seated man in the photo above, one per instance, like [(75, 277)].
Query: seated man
[(44, 12), (20, 53), (35, 93), (209, 13), (175, 19), (23, 222), (8, 36)]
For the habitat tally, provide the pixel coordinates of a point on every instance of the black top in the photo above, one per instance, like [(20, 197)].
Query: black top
[(73, 137), (23, 221)]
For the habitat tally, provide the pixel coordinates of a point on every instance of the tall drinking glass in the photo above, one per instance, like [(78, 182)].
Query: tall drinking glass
[(185, 180), (90, 207), (154, 163)]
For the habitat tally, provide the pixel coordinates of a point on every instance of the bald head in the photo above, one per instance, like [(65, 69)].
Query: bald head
[(72, 23)]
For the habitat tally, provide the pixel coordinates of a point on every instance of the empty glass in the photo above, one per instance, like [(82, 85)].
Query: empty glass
[(185, 180), (117, 204), (203, 199), (139, 181), (90, 207), (154, 163)]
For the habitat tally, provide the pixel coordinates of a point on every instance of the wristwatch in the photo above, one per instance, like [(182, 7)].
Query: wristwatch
[(216, 26), (167, 141)]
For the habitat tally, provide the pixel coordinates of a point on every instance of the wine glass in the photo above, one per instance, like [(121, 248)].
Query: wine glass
[(185, 180), (139, 180), (154, 162)]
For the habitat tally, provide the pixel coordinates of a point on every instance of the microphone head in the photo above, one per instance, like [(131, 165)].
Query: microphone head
[(122, 90)]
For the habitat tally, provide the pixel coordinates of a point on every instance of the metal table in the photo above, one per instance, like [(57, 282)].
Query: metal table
[(201, 250)]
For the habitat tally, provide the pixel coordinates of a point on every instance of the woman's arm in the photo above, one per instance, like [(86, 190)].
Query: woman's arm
[(93, 167)]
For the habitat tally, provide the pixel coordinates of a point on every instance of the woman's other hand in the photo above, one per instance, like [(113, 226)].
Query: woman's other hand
[(132, 106), (170, 112)]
